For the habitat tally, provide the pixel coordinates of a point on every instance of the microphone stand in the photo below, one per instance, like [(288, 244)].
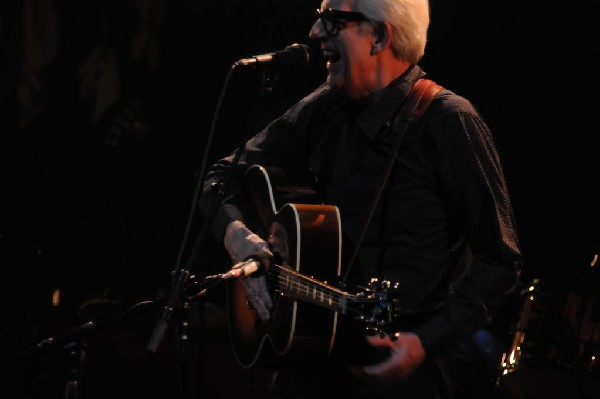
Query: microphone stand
[(181, 276), (73, 348)]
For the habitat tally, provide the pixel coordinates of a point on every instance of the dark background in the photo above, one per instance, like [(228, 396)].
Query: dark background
[(106, 109)]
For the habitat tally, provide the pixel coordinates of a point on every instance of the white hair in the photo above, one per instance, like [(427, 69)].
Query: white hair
[(409, 20)]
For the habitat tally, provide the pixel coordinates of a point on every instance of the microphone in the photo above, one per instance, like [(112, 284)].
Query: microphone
[(293, 56), (244, 269)]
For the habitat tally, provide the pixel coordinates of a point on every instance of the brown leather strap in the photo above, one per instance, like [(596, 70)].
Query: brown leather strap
[(418, 100), (415, 105)]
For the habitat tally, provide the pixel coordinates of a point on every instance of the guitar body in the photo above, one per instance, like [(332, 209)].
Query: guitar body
[(306, 240)]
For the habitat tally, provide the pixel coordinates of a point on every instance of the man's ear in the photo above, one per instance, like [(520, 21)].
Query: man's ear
[(382, 33)]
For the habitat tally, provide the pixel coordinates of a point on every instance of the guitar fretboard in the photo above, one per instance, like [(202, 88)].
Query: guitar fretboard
[(310, 290)]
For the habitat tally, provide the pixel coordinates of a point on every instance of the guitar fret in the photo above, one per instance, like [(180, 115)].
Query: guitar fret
[(301, 287), (343, 303)]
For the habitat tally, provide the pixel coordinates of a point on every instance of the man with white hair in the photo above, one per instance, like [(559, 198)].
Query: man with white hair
[(437, 224)]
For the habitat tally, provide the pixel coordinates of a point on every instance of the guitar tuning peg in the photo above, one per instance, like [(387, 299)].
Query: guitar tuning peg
[(394, 336), (381, 334)]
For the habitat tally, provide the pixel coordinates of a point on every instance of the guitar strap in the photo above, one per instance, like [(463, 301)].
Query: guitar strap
[(415, 105)]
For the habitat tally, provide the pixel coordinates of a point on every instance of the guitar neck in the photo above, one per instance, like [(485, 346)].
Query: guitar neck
[(299, 286)]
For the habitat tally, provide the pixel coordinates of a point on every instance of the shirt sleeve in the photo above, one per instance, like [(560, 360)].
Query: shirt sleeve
[(473, 184), (282, 144)]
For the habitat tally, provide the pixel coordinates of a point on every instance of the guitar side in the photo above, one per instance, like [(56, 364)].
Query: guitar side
[(306, 238)]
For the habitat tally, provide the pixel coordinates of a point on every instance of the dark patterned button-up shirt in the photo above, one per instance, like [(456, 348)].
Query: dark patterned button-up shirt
[(443, 229)]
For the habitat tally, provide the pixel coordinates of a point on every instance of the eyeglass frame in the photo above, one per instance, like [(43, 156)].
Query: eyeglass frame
[(338, 19)]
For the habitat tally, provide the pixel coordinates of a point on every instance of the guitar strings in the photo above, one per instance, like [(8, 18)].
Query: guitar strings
[(316, 291)]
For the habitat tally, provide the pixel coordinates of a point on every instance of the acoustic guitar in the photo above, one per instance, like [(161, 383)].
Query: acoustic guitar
[(304, 280)]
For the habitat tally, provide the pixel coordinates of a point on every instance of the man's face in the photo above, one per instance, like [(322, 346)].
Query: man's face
[(346, 41)]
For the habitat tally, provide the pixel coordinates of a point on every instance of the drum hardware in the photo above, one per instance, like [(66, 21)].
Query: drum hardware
[(510, 360), (556, 340)]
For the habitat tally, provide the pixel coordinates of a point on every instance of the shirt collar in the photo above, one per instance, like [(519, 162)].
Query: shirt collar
[(383, 110)]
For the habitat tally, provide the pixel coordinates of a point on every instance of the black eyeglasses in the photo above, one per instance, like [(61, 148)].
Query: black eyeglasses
[(335, 20)]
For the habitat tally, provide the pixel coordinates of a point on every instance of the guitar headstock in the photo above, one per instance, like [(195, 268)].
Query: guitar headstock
[(378, 306)]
